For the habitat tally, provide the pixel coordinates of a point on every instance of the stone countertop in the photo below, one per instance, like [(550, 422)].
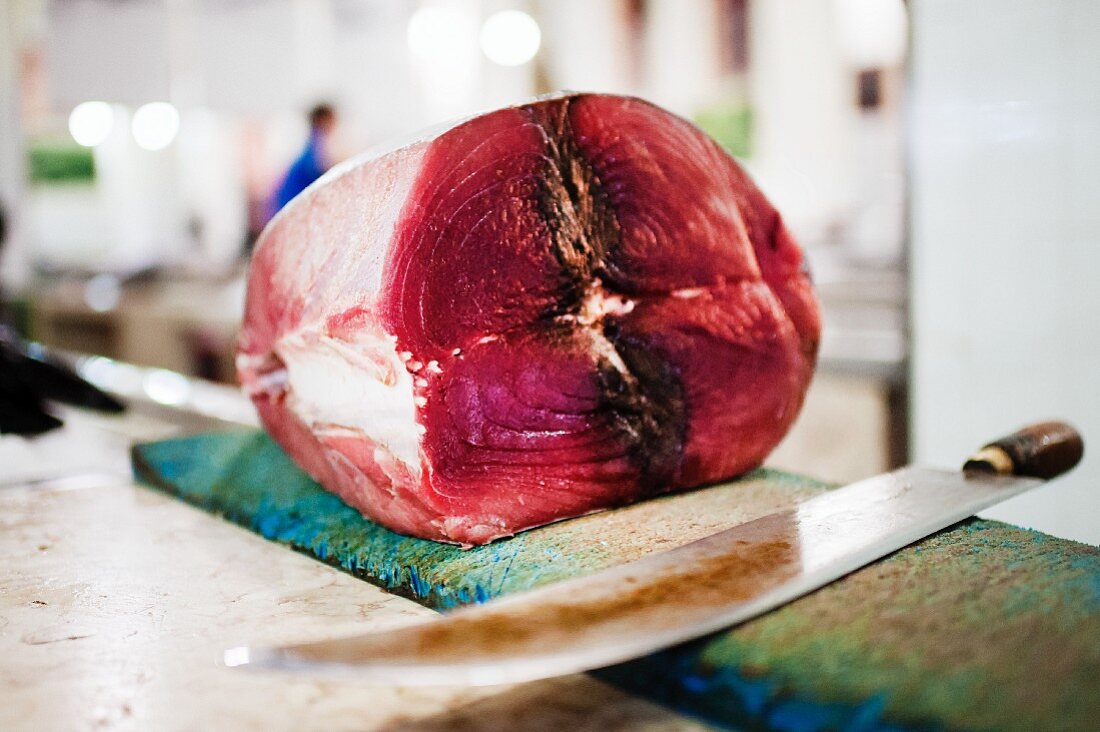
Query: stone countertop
[(117, 601)]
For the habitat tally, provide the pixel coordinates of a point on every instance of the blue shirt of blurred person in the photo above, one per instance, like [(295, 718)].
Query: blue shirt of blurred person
[(311, 163)]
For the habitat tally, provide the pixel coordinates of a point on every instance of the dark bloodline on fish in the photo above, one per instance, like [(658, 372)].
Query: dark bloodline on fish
[(645, 398)]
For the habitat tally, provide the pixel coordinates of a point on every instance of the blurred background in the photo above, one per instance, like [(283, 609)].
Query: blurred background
[(936, 158)]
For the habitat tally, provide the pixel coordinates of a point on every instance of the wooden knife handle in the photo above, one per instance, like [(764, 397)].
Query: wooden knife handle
[(1042, 450)]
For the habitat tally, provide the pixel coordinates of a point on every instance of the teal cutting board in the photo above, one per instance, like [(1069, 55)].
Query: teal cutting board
[(982, 626)]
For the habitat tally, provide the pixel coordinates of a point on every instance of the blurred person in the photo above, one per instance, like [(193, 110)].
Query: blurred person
[(313, 161)]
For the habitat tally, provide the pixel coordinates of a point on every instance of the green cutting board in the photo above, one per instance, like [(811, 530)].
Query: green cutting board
[(983, 625)]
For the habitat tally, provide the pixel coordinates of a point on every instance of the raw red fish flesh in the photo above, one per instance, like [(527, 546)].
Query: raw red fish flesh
[(532, 314)]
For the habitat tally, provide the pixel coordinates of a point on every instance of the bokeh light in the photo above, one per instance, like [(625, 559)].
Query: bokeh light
[(155, 125), (90, 123), (435, 33), (510, 37)]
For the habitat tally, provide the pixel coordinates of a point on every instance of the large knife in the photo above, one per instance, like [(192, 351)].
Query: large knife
[(674, 596)]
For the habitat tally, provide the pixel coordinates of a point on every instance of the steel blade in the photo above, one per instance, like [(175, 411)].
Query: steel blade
[(661, 599)]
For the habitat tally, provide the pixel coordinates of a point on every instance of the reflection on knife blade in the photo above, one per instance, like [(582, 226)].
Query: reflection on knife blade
[(662, 599), (675, 596)]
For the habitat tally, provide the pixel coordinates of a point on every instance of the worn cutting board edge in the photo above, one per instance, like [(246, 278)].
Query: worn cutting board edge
[(931, 637), (298, 513)]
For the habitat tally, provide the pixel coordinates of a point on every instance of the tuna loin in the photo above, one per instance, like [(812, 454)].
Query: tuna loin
[(536, 313)]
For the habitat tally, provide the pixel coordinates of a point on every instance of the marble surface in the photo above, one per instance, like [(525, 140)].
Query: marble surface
[(116, 602)]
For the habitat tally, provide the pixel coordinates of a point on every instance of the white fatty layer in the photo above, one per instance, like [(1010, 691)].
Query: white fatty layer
[(363, 387)]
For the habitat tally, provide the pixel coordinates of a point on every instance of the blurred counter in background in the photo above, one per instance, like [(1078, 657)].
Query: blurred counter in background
[(188, 326), (854, 421), (852, 426)]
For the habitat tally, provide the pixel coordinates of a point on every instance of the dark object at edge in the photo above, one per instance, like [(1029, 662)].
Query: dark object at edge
[(29, 377)]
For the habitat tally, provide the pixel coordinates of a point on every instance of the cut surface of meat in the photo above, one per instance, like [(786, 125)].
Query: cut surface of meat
[(532, 314)]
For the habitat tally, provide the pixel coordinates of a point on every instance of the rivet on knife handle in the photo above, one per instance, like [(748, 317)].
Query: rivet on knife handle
[(1042, 450)]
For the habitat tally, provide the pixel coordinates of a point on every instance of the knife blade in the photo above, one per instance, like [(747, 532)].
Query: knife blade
[(670, 597)]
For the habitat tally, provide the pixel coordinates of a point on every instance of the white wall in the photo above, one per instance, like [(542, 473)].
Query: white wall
[(680, 54), (803, 112), (1006, 236), (117, 52), (585, 45)]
